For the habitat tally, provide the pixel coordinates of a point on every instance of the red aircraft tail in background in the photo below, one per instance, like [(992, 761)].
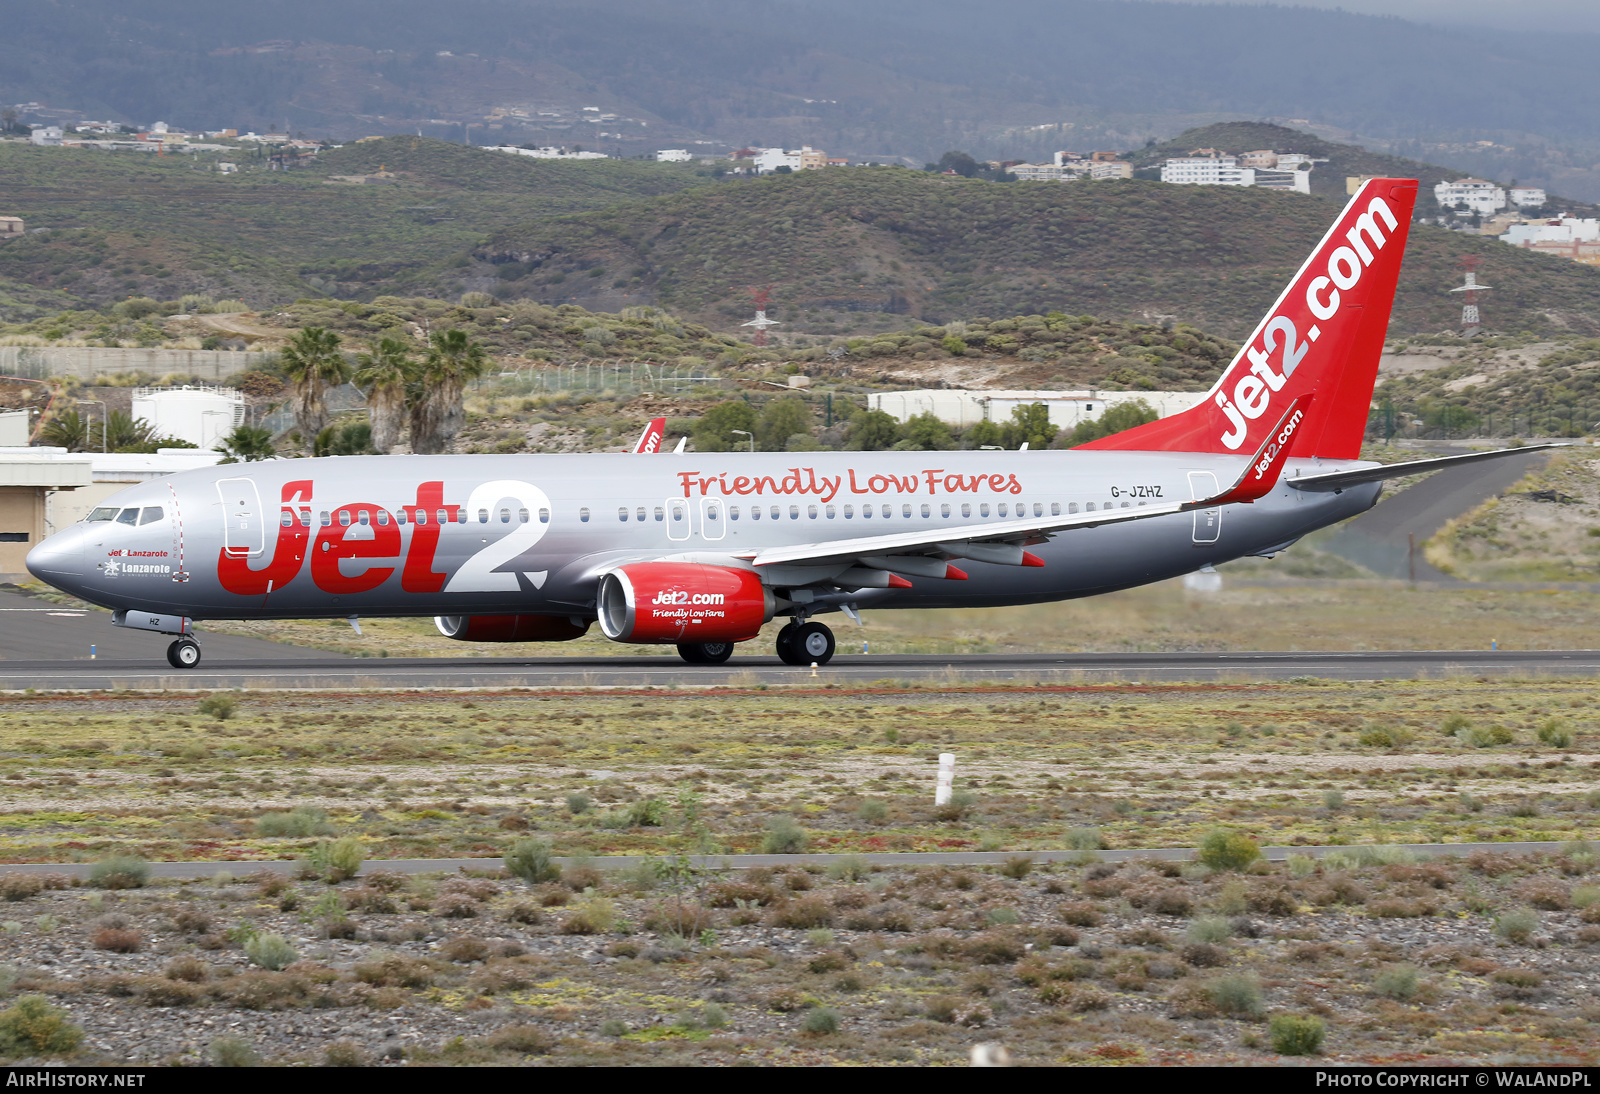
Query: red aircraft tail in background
[(650, 439), (1324, 336)]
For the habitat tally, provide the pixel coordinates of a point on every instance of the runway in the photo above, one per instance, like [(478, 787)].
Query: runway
[(317, 672)]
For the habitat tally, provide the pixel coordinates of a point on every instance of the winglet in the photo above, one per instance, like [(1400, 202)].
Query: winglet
[(650, 439), (1262, 474)]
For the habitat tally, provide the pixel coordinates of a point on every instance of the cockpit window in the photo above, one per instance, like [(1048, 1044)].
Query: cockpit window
[(151, 514), (105, 512), (128, 516)]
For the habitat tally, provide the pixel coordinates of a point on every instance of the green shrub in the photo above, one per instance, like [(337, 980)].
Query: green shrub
[(1237, 996), (32, 1027), (119, 872), (1517, 925), (649, 813), (1296, 1034), (337, 860), (578, 803), (592, 915), (220, 706), (820, 1021), (1227, 849), (1211, 928), (873, 811), (231, 1050), (1484, 736), (849, 868), (528, 1040), (1555, 734), (1017, 867), (345, 1054), (269, 951), (1333, 800), (530, 860), (784, 837), (1086, 839), (1454, 724), (300, 822), (1396, 982)]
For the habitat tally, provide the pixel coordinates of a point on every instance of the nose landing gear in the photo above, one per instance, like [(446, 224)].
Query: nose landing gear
[(184, 653), (805, 643)]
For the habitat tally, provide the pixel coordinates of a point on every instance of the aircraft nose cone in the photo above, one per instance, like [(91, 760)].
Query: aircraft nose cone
[(60, 555)]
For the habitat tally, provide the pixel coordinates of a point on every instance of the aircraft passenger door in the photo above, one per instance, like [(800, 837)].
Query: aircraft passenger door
[(678, 519), (243, 524), (1207, 522), (713, 518)]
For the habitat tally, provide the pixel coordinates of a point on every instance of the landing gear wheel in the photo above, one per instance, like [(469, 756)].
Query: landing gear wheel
[(788, 652), (705, 653), (184, 653), (812, 643)]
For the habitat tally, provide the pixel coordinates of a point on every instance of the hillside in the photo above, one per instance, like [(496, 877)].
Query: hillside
[(124, 224), (909, 243)]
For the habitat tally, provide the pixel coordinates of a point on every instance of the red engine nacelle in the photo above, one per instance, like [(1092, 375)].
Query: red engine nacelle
[(662, 602), (510, 628)]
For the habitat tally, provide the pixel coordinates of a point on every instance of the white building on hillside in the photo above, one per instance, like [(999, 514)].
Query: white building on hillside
[(1477, 195), (1067, 408), (674, 155), (1565, 230), (1207, 171), (1272, 179), (546, 153), (1528, 196)]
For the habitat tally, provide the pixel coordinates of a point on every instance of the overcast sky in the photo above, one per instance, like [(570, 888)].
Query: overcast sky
[(1530, 15)]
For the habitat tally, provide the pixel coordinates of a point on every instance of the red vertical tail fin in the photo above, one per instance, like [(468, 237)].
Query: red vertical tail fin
[(650, 439), (1324, 336)]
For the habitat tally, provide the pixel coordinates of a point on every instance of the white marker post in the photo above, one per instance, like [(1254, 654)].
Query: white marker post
[(947, 777)]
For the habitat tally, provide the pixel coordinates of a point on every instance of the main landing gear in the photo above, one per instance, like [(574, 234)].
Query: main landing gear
[(705, 653), (805, 644), (184, 653)]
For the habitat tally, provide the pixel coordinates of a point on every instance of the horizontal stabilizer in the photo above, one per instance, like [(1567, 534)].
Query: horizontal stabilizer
[(1338, 480)]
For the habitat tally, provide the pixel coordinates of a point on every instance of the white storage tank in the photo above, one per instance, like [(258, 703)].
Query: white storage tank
[(202, 416)]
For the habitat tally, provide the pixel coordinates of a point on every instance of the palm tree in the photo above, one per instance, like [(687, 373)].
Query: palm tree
[(247, 443), (67, 429), (313, 363), (437, 411), (383, 375)]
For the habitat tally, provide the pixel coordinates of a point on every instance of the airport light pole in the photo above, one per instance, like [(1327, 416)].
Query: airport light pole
[(746, 433), (104, 414)]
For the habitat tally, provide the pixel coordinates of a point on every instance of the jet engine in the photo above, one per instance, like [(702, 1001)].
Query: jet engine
[(511, 628), (682, 602)]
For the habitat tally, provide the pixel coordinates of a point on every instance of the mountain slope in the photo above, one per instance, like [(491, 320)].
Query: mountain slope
[(898, 241)]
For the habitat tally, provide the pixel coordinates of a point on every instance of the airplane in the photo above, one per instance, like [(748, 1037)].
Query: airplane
[(700, 550)]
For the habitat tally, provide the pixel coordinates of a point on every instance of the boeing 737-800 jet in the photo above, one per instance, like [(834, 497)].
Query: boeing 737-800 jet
[(699, 550)]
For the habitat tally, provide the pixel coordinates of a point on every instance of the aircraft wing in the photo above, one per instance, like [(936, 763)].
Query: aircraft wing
[(1338, 480), (1003, 541)]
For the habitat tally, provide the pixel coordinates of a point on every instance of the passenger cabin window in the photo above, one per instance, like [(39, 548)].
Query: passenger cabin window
[(774, 512), (1055, 509), (755, 512), (905, 510), (1072, 507), (366, 518), (105, 512), (344, 518), (830, 511), (983, 510), (128, 516), (733, 512), (944, 510), (1002, 509), (966, 508), (505, 516), (151, 514), (637, 515), (866, 511), (660, 513), (811, 511), (461, 515), (711, 511), (400, 516), (888, 510), (849, 511), (926, 511), (483, 516), (1089, 507), (285, 519), (622, 512), (326, 518), (522, 516), (583, 514), (305, 518), (544, 516), (794, 512)]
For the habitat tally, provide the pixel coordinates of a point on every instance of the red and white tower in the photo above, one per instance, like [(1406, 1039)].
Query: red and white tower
[(1470, 323), (759, 297)]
